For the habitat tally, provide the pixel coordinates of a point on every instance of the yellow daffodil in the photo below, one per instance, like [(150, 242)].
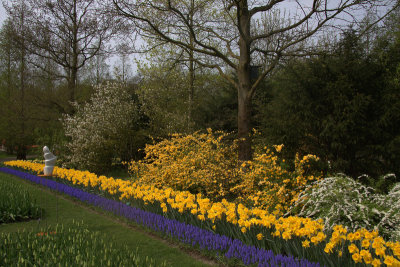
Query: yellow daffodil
[(260, 236), (356, 257), (353, 248), (306, 243), (376, 262)]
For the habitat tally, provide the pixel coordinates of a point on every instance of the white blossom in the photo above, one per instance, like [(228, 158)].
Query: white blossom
[(342, 200), (97, 127)]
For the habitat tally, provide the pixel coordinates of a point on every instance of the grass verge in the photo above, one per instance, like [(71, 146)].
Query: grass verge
[(4, 155), (74, 246), (62, 210), (16, 204)]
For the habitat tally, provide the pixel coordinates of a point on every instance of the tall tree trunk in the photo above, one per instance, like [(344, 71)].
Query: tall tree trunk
[(21, 150), (72, 84), (98, 62), (244, 96), (74, 64), (123, 69), (191, 69), (9, 84), (244, 126), (191, 85), (10, 138)]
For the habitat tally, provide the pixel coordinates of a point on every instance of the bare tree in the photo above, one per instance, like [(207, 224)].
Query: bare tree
[(171, 57), (239, 35), (97, 70), (15, 29), (122, 70), (69, 33)]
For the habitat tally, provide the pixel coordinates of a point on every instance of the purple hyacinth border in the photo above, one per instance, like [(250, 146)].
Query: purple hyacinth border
[(185, 233)]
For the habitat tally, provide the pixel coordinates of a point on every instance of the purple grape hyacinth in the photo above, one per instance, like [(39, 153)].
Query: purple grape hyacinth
[(186, 233)]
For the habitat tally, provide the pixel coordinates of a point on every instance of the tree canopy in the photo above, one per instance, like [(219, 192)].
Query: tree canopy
[(240, 35)]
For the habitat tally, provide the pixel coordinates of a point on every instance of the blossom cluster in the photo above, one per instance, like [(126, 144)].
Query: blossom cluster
[(186, 233), (268, 184), (342, 200), (205, 163), (310, 233), (365, 246), (199, 163), (97, 127)]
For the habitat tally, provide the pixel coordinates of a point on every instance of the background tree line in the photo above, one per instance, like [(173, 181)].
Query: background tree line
[(342, 105), (338, 99)]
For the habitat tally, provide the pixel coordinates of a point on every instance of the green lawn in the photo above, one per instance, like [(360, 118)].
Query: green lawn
[(4, 155), (63, 210)]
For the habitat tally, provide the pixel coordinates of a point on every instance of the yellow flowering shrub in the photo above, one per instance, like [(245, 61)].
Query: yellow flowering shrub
[(204, 163), (198, 163), (267, 184)]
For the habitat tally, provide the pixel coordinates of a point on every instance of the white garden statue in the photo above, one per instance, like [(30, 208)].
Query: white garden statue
[(49, 161)]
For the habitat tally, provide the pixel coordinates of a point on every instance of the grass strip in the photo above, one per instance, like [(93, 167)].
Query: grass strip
[(60, 210), (16, 204), (5, 155), (72, 246)]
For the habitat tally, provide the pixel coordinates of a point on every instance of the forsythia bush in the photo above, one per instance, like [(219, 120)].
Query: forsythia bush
[(266, 183), (204, 163), (199, 163)]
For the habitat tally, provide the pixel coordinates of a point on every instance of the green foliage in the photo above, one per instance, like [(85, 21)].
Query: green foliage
[(31, 102), (4, 154), (215, 104), (53, 137), (340, 200), (16, 204), (341, 106), (73, 246), (382, 184), (164, 93)]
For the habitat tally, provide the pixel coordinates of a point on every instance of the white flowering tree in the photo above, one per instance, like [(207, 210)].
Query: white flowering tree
[(100, 129)]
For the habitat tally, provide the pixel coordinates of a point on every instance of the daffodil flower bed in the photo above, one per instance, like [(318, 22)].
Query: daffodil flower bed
[(299, 237), (186, 233)]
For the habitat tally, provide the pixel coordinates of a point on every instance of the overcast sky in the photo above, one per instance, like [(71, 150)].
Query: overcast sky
[(2, 13), (3, 16), (111, 61)]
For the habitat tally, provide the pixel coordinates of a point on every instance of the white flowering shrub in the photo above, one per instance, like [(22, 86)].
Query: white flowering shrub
[(381, 184), (390, 222), (342, 200), (99, 129)]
